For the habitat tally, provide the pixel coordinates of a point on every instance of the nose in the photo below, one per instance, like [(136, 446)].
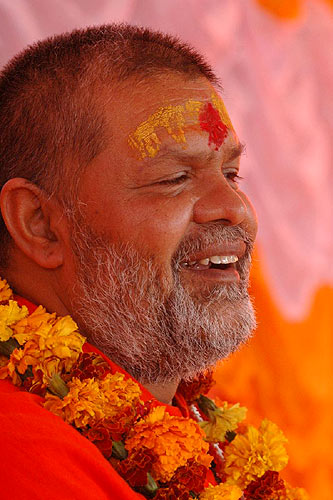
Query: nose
[(220, 202)]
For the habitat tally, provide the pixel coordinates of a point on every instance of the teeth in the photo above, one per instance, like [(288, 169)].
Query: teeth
[(204, 262), (223, 259), (229, 259), (215, 259)]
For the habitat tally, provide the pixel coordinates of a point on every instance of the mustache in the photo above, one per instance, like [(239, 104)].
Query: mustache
[(210, 234)]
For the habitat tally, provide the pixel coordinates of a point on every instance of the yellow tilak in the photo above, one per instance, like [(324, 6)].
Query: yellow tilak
[(171, 118), (219, 105)]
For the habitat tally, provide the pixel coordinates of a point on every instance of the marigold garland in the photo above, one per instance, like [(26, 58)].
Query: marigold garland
[(176, 440), (159, 455)]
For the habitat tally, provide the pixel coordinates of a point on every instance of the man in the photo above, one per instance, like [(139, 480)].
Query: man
[(121, 207)]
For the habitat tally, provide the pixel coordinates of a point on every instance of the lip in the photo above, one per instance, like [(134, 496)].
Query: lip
[(237, 248), (228, 275)]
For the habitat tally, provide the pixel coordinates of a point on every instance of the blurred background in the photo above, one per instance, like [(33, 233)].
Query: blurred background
[(275, 60)]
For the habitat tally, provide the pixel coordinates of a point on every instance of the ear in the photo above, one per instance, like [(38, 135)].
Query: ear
[(32, 220)]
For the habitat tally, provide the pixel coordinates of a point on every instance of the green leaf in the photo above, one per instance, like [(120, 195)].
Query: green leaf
[(57, 386), (6, 348), (119, 450), (151, 486), (206, 405)]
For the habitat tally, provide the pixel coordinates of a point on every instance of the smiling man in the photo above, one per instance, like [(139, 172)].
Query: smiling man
[(121, 208)]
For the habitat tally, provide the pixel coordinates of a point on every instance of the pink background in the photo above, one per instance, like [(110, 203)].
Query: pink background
[(278, 80)]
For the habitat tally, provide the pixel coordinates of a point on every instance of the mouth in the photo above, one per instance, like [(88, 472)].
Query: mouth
[(214, 262), (217, 268)]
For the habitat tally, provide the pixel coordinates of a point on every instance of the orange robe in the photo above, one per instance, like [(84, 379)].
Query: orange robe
[(43, 458)]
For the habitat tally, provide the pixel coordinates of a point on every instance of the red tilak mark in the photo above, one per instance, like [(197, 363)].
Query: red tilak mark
[(211, 122)]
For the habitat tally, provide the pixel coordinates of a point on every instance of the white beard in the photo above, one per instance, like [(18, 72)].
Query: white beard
[(157, 336)]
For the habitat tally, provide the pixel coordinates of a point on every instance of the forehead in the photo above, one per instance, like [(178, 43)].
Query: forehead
[(151, 113)]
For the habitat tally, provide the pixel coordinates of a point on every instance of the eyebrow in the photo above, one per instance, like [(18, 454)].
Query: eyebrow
[(230, 154), (234, 152)]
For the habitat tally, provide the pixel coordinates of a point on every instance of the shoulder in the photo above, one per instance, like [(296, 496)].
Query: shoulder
[(43, 457)]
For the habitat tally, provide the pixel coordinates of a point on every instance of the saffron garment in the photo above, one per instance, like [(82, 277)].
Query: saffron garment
[(43, 458)]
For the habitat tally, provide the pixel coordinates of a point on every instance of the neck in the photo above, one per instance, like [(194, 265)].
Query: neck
[(163, 392)]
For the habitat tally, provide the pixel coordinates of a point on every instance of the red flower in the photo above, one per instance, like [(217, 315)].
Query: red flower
[(173, 492), (192, 476), (267, 487), (89, 365), (201, 385), (122, 424), (135, 467), (100, 436), (143, 409), (34, 387)]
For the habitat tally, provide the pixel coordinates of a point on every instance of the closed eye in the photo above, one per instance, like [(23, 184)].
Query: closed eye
[(174, 180), (234, 177)]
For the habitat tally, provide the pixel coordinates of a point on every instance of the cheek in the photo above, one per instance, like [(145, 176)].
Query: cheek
[(154, 225), (167, 225)]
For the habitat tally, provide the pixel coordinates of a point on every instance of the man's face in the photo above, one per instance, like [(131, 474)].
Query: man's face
[(164, 232)]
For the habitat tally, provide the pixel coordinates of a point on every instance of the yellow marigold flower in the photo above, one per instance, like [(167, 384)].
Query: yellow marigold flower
[(251, 454), (120, 392), (92, 400), (39, 322), (10, 314), (5, 291), (225, 418), (50, 345), (175, 440), (296, 493), (63, 341), (221, 492)]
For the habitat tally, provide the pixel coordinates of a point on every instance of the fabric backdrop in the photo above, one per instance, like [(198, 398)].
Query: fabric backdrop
[(275, 62)]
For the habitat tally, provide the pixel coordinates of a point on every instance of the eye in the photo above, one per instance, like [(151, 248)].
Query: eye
[(175, 180), (233, 177)]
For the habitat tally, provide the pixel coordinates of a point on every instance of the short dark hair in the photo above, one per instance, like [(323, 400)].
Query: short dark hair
[(51, 120)]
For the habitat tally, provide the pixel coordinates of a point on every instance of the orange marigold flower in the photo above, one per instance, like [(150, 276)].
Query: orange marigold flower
[(253, 453), (92, 400), (175, 440), (135, 467), (268, 487), (10, 314), (89, 365), (192, 389), (221, 492), (5, 292), (7, 371), (3, 367)]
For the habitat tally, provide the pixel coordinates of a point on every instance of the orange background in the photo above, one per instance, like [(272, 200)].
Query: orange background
[(285, 374)]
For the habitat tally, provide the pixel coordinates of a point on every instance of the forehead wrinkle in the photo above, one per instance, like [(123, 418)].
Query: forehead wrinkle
[(182, 156)]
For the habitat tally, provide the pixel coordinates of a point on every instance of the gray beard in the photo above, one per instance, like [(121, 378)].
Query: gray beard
[(121, 304)]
